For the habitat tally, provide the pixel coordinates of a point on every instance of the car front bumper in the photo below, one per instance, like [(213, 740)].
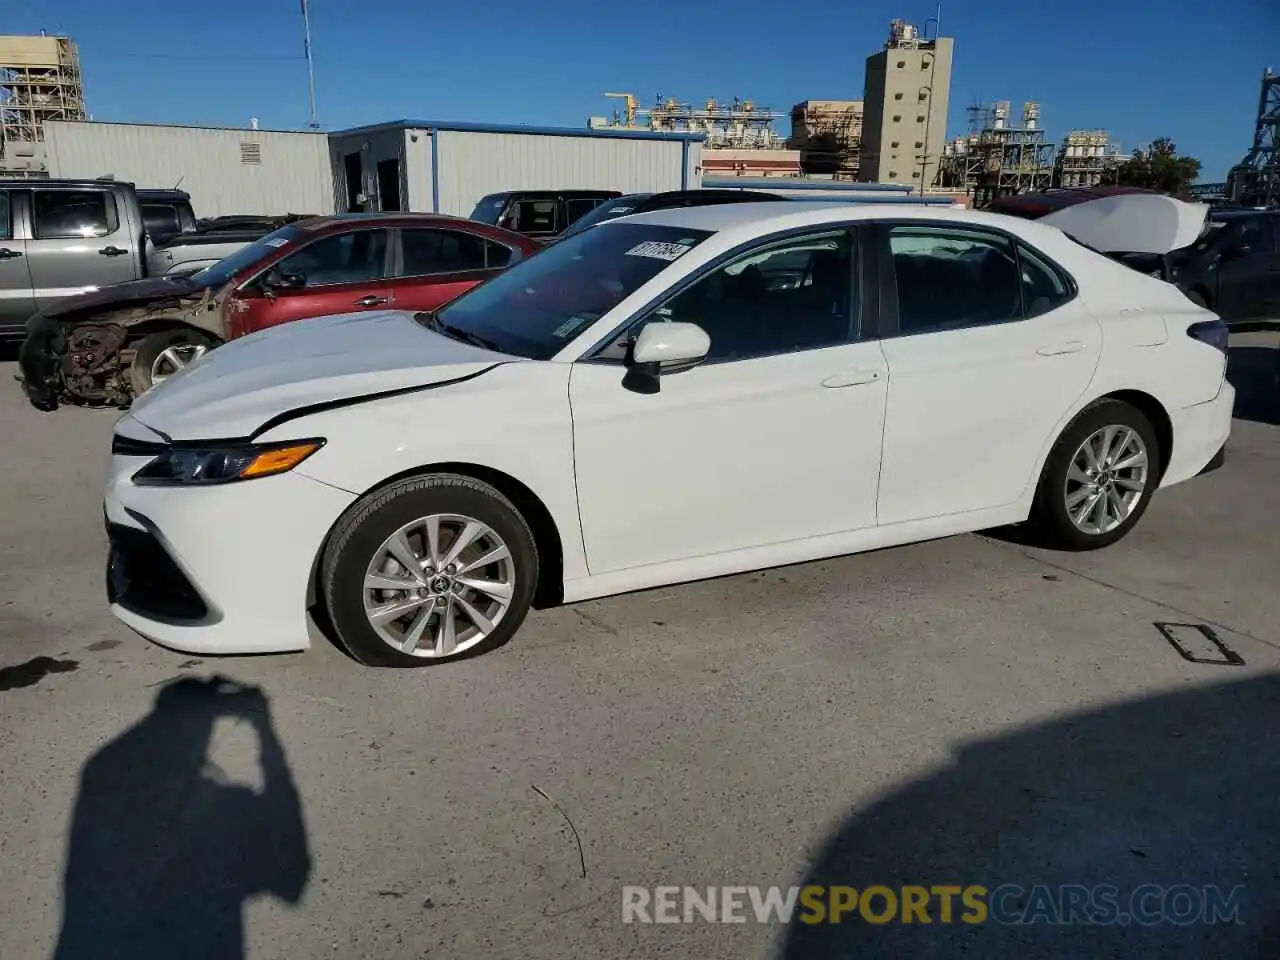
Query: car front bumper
[(1199, 433), (218, 569)]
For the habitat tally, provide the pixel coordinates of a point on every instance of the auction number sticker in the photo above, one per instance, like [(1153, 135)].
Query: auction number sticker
[(277, 241), (658, 250)]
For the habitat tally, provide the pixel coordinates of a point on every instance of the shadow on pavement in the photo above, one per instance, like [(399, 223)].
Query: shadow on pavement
[(162, 857), (1177, 789), (1255, 373)]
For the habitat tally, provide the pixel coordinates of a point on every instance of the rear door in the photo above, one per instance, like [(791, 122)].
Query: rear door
[(988, 346), (433, 265), (337, 273), (81, 239), (17, 302), (1246, 277)]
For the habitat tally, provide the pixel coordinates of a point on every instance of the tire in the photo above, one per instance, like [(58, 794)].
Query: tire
[(359, 540), (150, 349), (1050, 517)]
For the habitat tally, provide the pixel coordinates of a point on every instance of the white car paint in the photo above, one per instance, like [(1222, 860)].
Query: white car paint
[(732, 466), (1133, 223)]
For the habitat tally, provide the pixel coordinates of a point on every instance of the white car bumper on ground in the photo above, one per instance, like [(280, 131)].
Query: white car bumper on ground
[(1199, 432), (217, 569)]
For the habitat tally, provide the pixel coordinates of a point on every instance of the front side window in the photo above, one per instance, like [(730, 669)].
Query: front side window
[(1258, 236), (951, 278), (73, 214), (354, 257), (537, 306), (788, 296), (424, 252), (6, 217)]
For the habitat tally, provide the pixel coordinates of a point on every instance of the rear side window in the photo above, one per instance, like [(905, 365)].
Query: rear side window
[(1043, 287), (6, 218), (950, 279), (73, 214), (1259, 236), (160, 219), (426, 252), (576, 207)]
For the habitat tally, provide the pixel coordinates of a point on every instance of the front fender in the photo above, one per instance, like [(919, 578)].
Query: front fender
[(514, 419)]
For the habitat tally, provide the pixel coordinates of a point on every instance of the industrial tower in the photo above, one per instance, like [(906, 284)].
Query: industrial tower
[(1255, 180), (39, 81)]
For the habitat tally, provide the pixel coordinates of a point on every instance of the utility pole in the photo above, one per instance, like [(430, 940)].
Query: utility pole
[(314, 123)]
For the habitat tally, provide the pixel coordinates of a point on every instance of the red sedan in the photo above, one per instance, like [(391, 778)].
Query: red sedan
[(349, 264)]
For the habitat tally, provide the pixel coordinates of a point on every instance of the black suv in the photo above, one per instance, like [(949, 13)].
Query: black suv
[(540, 214), (645, 202), (1234, 269)]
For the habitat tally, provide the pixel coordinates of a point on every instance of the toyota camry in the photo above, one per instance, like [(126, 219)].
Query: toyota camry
[(667, 397)]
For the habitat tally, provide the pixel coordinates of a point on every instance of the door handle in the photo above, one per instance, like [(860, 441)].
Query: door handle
[(112, 252), (1058, 349), (371, 301), (7, 254), (852, 379)]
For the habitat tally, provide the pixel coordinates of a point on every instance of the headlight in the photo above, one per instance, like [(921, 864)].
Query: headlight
[(188, 466)]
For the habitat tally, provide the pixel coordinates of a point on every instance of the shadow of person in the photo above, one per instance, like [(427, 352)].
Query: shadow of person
[(161, 857), (1176, 789), (1255, 373)]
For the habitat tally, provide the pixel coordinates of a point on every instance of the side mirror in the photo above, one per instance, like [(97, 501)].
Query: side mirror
[(275, 279), (664, 347)]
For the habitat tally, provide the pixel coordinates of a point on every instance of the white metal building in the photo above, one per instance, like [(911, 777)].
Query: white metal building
[(226, 170), (434, 167)]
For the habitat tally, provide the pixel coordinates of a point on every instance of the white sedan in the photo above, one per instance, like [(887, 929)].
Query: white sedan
[(663, 398)]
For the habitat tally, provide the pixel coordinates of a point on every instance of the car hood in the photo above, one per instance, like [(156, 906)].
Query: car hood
[(1133, 223), (234, 390), (116, 295)]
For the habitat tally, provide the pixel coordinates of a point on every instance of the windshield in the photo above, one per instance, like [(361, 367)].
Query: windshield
[(222, 271), (489, 209), (536, 307), (609, 210)]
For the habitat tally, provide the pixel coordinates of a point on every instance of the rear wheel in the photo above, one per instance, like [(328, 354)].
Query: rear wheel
[(1099, 477), (158, 356), (427, 570)]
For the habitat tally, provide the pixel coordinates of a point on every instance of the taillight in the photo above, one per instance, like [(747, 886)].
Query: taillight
[(1213, 332)]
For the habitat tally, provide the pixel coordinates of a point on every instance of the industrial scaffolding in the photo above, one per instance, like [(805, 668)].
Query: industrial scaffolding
[(828, 134), (1255, 180), (996, 159), (1088, 158), (39, 81), (741, 124)]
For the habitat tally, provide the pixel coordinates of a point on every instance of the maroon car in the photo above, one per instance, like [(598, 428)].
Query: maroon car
[(108, 345)]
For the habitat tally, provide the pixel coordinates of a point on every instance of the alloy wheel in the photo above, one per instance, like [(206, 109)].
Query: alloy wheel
[(173, 359), (439, 585), (1107, 479)]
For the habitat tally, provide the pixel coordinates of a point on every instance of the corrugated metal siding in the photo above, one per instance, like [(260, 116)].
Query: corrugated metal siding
[(475, 164), (693, 166), (292, 173), (417, 170)]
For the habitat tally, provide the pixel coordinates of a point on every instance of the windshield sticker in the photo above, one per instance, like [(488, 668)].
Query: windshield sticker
[(658, 250), (574, 326), (277, 242), (618, 209)]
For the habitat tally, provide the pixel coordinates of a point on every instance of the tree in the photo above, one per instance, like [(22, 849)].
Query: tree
[(1159, 168)]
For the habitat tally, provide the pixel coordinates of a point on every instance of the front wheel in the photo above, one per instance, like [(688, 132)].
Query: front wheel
[(158, 356), (1099, 477), (427, 570)]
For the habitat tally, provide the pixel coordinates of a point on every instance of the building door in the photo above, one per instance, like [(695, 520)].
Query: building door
[(389, 185), (355, 181)]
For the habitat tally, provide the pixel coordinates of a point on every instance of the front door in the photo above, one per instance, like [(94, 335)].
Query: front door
[(337, 273), (80, 240), (17, 302), (435, 265), (987, 350), (775, 437)]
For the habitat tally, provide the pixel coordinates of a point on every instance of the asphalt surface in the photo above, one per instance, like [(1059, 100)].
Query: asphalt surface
[(965, 711)]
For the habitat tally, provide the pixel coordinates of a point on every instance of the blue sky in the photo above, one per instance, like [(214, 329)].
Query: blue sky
[(1141, 69)]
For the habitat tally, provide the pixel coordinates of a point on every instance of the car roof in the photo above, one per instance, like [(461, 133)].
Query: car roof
[(337, 221), (770, 216)]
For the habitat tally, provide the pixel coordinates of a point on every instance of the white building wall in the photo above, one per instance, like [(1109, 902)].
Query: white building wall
[(472, 165), (215, 165)]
